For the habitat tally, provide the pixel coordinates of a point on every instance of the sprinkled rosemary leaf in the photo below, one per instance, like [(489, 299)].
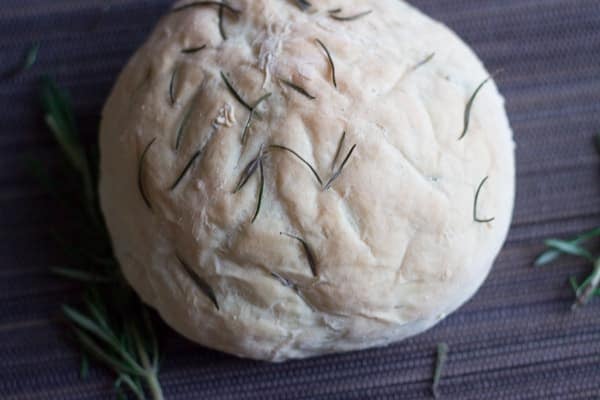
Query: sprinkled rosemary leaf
[(191, 50), (261, 190), (303, 4), (249, 171), (309, 254), (284, 281), (221, 28), (442, 356), (201, 283), (181, 127), (335, 10), (298, 89), (235, 93), (188, 166), (475, 217), (351, 17), (141, 174), (172, 85), (206, 4), (299, 157), (330, 61), (339, 171), (339, 150), (469, 106), (251, 116), (425, 61)]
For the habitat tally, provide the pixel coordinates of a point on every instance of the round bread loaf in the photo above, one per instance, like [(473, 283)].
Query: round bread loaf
[(283, 180)]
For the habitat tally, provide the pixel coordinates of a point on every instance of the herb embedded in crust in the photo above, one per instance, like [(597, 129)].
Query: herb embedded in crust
[(307, 251), (330, 59), (476, 201)]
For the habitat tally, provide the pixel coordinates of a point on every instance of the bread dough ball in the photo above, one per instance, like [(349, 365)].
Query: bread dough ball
[(237, 210)]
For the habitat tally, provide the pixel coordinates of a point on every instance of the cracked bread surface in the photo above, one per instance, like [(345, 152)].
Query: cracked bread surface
[(391, 248)]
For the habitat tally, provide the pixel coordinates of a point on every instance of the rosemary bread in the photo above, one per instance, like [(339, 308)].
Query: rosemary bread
[(283, 180)]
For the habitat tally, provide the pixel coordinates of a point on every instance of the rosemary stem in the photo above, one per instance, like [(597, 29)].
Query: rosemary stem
[(154, 385)]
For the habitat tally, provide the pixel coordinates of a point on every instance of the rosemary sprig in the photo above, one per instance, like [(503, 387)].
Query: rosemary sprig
[(204, 287), (303, 4), (299, 157), (425, 61), (442, 357), (219, 4), (298, 89), (348, 18), (59, 117), (467, 116), (111, 324), (235, 93), (172, 83), (310, 257), (340, 169), (140, 179), (475, 217), (192, 50), (552, 254), (331, 63), (339, 150), (186, 169)]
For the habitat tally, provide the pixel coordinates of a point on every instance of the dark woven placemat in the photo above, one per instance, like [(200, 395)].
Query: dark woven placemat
[(517, 339)]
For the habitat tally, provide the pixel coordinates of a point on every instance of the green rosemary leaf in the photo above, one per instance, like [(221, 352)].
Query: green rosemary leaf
[(205, 4), (30, 57), (61, 121), (141, 174), (574, 284), (299, 157), (87, 324), (475, 217), (84, 370), (261, 190), (172, 98), (339, 150), (303, 4), (131, 385), (568, 248), (221, 27), (425, 61), (192, 50), (235, 93), (186, 169), (467, 116), (307, 251), (331, 63), (597, 141), (340, 170), (442, 357), (249, 171), (88, 344), (298, 89), (80, 275), (586, 291), (251, 116), (552, 254), (351, 17), (204, 287)]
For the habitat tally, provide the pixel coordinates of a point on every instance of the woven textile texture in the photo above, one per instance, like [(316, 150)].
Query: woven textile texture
[(517, 339)]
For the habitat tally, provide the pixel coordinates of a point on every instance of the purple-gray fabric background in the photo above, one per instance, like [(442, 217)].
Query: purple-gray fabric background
[(517, 339)]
